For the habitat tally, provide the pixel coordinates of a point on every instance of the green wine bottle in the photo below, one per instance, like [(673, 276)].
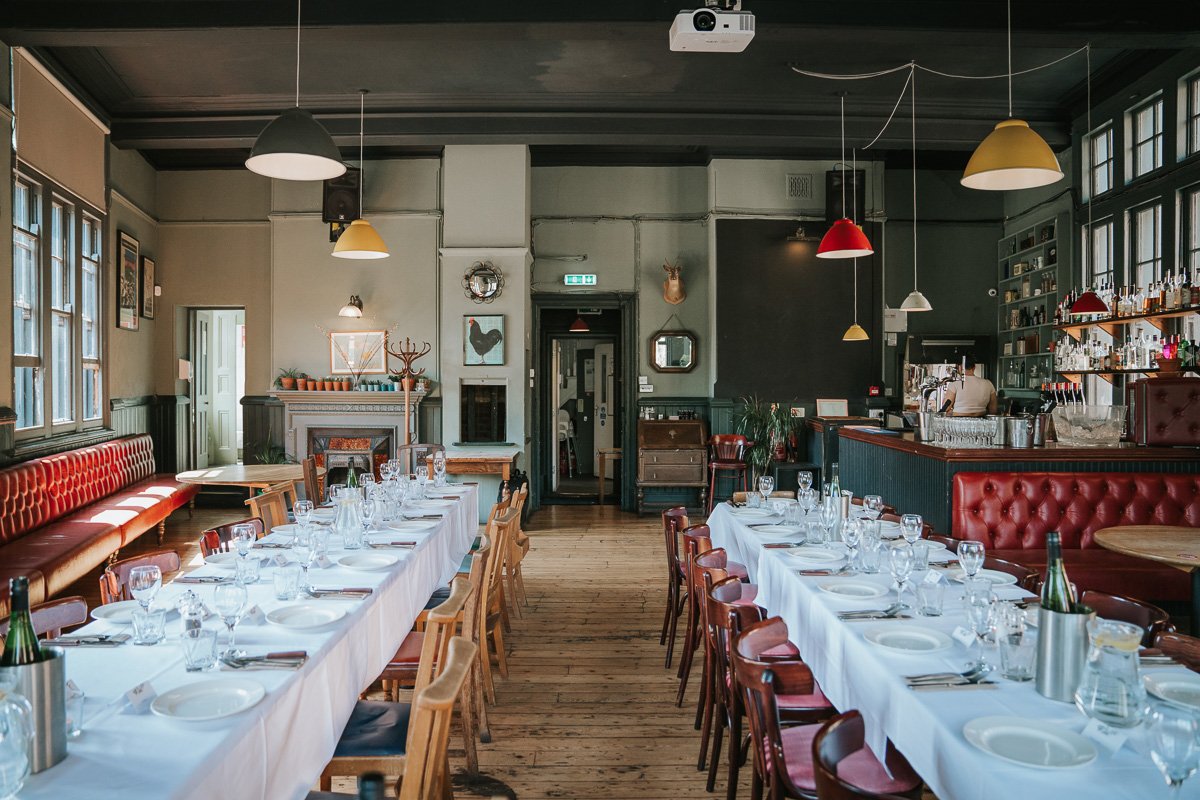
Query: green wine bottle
[(1057, 592), (352, 478), (21, 645)]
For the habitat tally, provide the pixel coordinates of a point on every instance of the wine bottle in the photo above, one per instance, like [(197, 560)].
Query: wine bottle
[(21, 645), (371, 786), (1057, 592), (835, 484), (352, 478)]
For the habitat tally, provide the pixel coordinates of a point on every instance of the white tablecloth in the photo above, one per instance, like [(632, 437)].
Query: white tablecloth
[(927, 726), (277, 749)]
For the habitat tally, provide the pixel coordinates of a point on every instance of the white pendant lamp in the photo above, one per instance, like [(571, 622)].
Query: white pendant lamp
[(844, 239), (294, 146), (360, 240), (915, 300), (1012, 156)]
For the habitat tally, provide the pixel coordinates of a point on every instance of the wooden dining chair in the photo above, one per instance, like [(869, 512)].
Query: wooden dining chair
[(840, 746), (272, 505), (514, 583), (417, 454), (409, 740), (1150, 618), (473, 625), (114, 581), (1179, 646), (727, 453), (674, 520), (778, 494), (312, 483), (1028, 579), (50, 618), (491, 642), (708, 569), (218, 539)]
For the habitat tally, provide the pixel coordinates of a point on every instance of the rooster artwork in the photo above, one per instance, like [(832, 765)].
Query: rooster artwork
[(484, 340)]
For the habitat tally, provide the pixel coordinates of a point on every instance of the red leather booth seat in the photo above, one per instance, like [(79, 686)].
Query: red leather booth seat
[(63, 515), (1011, 512)]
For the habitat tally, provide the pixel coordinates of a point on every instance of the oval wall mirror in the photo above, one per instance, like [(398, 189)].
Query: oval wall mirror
[(673, 351), (483, 282)]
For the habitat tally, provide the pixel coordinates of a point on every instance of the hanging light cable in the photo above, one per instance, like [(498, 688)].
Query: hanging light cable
[(844, 239), (360, 240), (855, 333), (294, 146), (1089, 302), (1012, 156), (915, 300)]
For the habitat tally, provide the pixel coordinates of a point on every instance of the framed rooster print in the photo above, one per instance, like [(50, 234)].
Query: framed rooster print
[(483, 340)]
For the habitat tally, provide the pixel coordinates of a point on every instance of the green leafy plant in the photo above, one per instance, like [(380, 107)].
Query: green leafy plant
[(270, 453), (289, 374), (766, 425)]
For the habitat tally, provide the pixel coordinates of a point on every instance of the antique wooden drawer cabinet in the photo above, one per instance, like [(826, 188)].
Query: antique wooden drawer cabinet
[(672, 454)]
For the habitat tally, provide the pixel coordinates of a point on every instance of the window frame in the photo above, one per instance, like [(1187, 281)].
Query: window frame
[(1091, 166), (1188, 225), (1189, 118), (1090, 276), (48, 195), (1132, 262), (1157, 138)]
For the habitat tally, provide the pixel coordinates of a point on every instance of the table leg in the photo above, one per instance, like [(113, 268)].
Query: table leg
[(1196, 602), (600, 487)]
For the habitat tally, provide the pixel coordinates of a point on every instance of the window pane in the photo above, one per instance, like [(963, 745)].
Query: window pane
[(1147, 250), (63, 366), (89, 301), (1194, 116), (92, 393), (1194, 231), (28, 397), (25, 294)]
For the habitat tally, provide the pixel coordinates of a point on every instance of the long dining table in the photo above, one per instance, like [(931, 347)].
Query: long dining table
[(276, 749), (926, 726)]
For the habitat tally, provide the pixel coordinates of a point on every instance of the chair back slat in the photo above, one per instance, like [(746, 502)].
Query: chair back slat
[(114, 581), (425, 765), (475, 614), (312, 484), (272, 505), (217, 540), (51, 617), (728, 446), (416, 454)]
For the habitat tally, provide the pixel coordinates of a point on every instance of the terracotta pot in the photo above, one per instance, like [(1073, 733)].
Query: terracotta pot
[(1169, 367), (327, 386), (347, 385), (288, 383), (302, 384), (407, 384)]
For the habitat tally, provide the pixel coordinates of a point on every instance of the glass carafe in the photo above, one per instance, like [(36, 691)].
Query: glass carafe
[(16, 734), (1110, 689), (348, 521)]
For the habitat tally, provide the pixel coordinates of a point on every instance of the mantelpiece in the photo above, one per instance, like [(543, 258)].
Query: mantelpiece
[(349, 410)]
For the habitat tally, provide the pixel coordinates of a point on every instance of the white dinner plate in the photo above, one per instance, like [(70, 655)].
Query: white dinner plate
[(995, 576), (933, 544), (287, 529), (754, 513), (432, 503), (909, 639), (854, 590), (121, 612), (207, 700), (777, 530), (1029, 742), (224, 560), (412, 525), (368, 562), (1179, 688), (819, 554), (303, 616), (324, 514)]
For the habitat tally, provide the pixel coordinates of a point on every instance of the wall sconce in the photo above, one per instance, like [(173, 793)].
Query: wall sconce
[(354, 308)]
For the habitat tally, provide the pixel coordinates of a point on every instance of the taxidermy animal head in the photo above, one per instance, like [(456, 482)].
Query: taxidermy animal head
[(673, 291)]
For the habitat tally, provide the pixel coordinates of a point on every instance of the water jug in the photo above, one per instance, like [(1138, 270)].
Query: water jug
[(1110, 689)]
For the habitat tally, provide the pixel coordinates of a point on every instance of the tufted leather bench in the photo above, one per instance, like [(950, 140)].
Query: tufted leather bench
[(63, 515), (1011, 512)]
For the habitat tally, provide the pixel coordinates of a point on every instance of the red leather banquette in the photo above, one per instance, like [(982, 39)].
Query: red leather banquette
[(63, 515), (1011, 512)]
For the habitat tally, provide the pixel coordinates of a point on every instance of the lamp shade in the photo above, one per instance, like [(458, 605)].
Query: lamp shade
[(1012, 156), (352, 308), (1088, 303), (915, 302), (579, 326), (855, 333), (360, 240), (844, 240), (294, 147)]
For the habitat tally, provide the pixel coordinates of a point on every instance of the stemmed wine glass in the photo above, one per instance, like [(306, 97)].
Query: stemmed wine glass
[(970, 557), (1174, 746), (873, 505), (804, 480), (910, 527), (243, 539), (900, 564), (829, 519), (144, 583), (303, 511), (979, 601), (230, 603), (807, 498), (851, 535), (302, 546), (766, 485)]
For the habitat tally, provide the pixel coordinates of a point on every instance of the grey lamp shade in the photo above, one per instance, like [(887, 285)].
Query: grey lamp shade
[(295, 147)]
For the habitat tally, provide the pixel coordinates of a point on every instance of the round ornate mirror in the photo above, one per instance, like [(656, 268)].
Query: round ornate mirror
[(483, 282)]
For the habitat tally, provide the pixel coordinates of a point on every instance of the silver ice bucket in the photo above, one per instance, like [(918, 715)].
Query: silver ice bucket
[(925, 426), (44, 685), (1062, 651)]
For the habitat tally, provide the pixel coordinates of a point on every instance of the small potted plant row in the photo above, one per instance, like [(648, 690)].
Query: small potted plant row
[(376, 386), (290, 379)]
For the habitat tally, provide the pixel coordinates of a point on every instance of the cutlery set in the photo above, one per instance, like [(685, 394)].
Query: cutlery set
[(891, 612), (293, 659), (353, 593), (90, 640), (974, 678), (204, 579), (387, 545)]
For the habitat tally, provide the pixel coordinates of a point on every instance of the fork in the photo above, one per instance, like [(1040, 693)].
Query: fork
[(973, 675)]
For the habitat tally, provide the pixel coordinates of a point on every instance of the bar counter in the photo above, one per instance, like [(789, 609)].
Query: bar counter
[(916, 477)]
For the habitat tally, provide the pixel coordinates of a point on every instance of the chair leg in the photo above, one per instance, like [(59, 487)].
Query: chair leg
[(672, 634), (704, 712), (326, 783), (719, 724), (467, 715), (501, 658), (712, 488), (191, 507), (480, 707), (521, 585), (502, 602), (662, 636), (689, 647), (511, 594), (735, 754), (485, 666)]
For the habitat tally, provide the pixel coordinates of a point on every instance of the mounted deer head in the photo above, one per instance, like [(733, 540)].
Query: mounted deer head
[(673, 291)]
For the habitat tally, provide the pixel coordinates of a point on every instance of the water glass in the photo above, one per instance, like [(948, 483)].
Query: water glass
[(73, 700), (199, 649), (16, 733), (970, 557), (247, 571), (303, 511), (144, 583), (910, 527), (1018, 649), (243, 538), (753, 500), (1174, 747), (793, 514), (868, 557), (804, 480), (149, 627), (778, 507), (439, 469), (354, 537), (287, 581), (920, 557), (873, 504), (766, 485), (930, 598)]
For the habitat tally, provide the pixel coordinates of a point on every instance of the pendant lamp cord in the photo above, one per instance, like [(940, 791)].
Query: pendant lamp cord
[(362, 110), (1088, 159), (298, 53), (843, 164), (854, 177), (1009, 6), (914, 180)]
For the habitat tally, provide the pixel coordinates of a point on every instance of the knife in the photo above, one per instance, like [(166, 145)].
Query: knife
[(949, 687)]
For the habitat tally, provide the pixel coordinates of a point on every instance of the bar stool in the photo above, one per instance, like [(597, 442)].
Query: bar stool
[(727, 454)]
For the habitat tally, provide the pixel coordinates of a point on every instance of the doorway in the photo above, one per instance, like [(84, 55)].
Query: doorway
[(218, 354)]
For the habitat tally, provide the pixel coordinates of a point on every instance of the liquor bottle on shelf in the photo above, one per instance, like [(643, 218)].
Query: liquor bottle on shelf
[(1057, 594), (21, 644)]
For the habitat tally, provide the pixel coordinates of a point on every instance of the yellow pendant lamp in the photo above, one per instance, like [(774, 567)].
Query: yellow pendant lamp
[(1012, 156), (360, 240)]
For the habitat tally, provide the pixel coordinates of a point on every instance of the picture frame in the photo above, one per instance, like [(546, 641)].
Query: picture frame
[(483, 340), (833, 408), (357, 353), (128, 280), (147, 287)]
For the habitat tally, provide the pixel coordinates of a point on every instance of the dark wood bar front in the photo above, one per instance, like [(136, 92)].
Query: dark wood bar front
[(917, 476)]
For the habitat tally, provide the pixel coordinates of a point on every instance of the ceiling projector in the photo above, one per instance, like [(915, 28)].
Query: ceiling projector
[(712, 30)]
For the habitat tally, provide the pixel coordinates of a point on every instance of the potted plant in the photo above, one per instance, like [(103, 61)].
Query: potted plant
[(302, 383), (287, 379), (767, 425), (347, 384), (327, 384)]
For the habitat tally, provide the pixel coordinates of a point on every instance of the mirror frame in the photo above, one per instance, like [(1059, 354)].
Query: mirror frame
[(482, 268), (695, 350)]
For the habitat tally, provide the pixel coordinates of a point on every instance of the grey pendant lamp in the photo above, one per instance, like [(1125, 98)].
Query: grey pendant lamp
[(294, 147)]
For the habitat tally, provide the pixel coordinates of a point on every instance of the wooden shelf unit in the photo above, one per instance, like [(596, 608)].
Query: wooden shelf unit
[(1028, 370)]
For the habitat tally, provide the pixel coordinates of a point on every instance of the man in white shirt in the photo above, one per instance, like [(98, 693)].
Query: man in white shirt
[(974, 397)]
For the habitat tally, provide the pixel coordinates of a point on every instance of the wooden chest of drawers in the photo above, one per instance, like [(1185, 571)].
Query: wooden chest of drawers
[(672, 454)]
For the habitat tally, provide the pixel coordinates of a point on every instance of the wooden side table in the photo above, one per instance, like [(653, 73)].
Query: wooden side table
[(1174, 545), (607, 454)]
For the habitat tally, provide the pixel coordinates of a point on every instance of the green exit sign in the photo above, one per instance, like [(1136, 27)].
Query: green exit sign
[(579, 280)]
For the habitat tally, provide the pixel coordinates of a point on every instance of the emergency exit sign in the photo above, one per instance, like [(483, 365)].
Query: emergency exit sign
[(579, 280)]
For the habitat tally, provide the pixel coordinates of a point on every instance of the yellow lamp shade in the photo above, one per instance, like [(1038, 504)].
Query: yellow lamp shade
[(1012, 156), (360, 240), (855, 333)]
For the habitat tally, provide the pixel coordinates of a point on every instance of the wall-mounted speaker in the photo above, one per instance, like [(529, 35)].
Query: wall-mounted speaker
[(833, 195), (340, 203)]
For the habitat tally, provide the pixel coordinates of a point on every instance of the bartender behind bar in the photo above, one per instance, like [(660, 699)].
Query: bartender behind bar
[(974, 397)]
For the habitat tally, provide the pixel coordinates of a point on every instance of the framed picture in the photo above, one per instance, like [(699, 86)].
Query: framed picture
[(833, 408), (483, 340), (148, 271), (358, 352), (127, 281)]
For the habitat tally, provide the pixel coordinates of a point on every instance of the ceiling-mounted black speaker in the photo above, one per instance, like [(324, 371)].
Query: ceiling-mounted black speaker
[(833, 195), (341, 197)]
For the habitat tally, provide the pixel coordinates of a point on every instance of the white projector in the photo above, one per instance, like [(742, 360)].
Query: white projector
[(712, 30)]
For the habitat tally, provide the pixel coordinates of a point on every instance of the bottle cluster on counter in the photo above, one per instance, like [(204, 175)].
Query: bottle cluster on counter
[(1176, 292), (1138, 352), (1061, 395)]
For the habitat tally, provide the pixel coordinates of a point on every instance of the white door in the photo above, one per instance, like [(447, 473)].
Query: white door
[(223, 415), (556, 371), (201, 387), (603, 421)]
